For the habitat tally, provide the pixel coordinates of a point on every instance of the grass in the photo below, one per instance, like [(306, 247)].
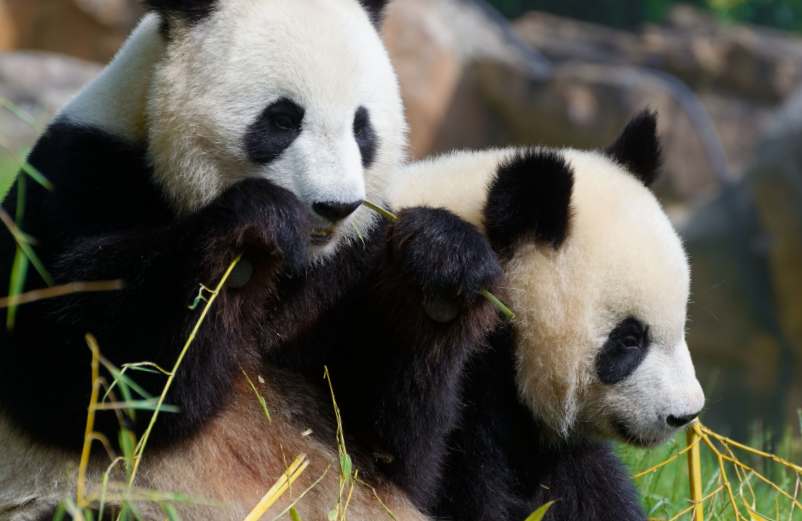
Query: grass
[(666, 490), (9, 167)]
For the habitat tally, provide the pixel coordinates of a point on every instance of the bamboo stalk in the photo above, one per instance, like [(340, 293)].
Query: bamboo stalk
[(695, 471)]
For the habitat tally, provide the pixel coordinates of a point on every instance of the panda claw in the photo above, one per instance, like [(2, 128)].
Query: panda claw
[(446, 257), (261, 219)]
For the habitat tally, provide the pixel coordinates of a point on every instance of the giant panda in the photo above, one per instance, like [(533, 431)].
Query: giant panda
[(253, 127), (599, 281)]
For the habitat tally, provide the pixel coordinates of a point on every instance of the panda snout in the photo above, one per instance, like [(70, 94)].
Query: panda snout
[(681, 421), (334, 212)]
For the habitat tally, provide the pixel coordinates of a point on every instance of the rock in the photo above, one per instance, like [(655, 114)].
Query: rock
[(430, 42), (38, 85), (567, 39), (758, 64), (581, 105), (469, 80), (88, 29), (119, 14), (746, 251)]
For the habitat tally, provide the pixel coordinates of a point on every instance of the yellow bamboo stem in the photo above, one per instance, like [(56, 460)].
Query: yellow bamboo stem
[(80, 492), (695, 472), (138, 453), (279, 488)]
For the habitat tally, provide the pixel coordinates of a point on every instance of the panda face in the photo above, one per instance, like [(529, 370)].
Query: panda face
[(600, 282), (601, 314), (643, 388), (299, 93)]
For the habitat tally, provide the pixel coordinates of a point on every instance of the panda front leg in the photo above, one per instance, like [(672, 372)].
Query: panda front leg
[(46, 360), (422, 319), (588, 482)]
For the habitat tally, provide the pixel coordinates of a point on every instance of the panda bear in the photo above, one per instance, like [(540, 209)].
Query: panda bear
[(599, 281), (253, 127)]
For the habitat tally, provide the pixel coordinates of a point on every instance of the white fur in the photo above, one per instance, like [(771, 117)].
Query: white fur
[(218, 76), (115, 101), (622, 258)]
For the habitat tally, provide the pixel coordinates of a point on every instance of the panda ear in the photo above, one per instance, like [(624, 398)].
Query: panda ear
[(375, 9), (191, 10), (529, 198), (638, 148)]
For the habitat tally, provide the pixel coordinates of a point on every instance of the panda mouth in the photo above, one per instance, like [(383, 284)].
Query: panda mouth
[(627, 436), (322, 236)]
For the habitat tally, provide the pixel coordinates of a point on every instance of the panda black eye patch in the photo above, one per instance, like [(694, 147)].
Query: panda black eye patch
[(276, 128), (625, 349), (365, 136)]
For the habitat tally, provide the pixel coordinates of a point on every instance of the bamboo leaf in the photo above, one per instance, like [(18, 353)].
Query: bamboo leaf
[(19, 272), (18, 112), (127, 441), (36, 175), (124, 382), (346, 465), (139, 405), (541, 512), (61, 512), (170, 512), (259, 397)]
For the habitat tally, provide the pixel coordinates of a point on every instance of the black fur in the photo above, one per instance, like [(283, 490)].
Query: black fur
[(192, 11), (625, 349), (274, 131), (104, 221), (638, 148), (375, 9), (530, 199), (396, 371), (365, 136), (504, 463)]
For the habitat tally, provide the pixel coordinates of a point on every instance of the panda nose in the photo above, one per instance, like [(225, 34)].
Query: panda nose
[(335, 212), (680, 421)]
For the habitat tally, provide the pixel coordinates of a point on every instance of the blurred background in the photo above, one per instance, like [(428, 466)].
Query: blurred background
[(725, 76)]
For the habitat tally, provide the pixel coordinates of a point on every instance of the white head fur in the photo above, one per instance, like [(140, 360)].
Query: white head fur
[(619, 258), (221, 73), (203, 86)]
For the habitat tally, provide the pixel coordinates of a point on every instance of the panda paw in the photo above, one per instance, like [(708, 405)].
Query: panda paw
[(260, 220), (445, 256)]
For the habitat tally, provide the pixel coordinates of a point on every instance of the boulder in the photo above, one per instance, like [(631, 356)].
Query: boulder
[(88, 29), (584, 105), (470, 80), (431, 42), (756, 64)]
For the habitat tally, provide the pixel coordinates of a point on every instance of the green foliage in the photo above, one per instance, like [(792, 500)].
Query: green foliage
[(666, 491), (8, 172), (781, 14), (629, 14)]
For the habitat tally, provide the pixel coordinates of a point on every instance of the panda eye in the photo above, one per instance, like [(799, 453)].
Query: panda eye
[(625, 349), (365, 136), (284, 116), (631, 334), (275, 130), (360, 123), (284, 122)]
